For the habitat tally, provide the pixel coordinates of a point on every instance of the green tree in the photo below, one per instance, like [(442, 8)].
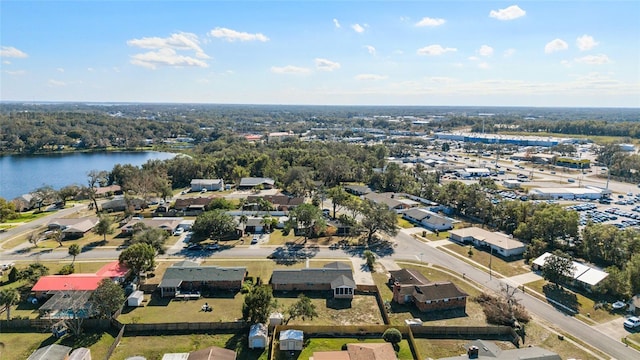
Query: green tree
[(214, 224), (33, 272), (103, 227), (7, 210), (370, 258), (309, 217), (558, 268), (377, 217), (392, 335), (42, 196), (339, 198), (156, 237), (95, 179), (68, 192), (8, 298), (632, 268), (74, 250), (107, 298), (138, 257), (301, 309), (257, 305), (57, 236)]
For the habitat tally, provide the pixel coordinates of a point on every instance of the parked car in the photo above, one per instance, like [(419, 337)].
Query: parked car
[(194, 247), (254, 240), (178, 232), (632, 323), (213, 247)]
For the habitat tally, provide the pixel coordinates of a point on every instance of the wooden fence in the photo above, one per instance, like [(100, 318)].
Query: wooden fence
[(169, 328)]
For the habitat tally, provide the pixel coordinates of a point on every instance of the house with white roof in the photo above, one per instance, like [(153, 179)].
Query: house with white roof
[(499, 243), (583, 275)]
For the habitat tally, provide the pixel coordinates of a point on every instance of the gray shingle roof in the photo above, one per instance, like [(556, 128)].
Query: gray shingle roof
[(251, 181), (309, 276), (187, 271)]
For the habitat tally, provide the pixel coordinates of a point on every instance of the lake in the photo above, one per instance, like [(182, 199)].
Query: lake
[(20, 174)]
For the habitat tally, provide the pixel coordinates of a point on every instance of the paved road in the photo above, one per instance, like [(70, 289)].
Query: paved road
[(407, 248)]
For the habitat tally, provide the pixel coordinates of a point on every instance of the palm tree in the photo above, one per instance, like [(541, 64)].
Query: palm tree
[(243, 222), (8, 298), (74, 250), (266, 222)]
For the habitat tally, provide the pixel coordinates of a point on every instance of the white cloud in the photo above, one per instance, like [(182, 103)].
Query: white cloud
[(56, 83), (116, 69), (483, 65), (357, 28), (60, 70), (326, 65), (232, 35), (289, 69), (336, 23), (165, 57), (10, 51), (15, 72), (555, 45), (510, 13), (370, 49), (434, 50), (373, 77), (177, 41), (473, 58), (430, 22), (6, 62), (586, 42), (90, 69), (485, 50), (594, 59), (509, 52)]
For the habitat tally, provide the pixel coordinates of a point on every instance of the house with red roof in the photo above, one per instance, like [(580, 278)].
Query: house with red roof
[(50, 284), (115, 271)]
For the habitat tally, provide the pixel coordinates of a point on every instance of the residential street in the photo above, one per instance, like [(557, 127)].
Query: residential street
[(408, 248)]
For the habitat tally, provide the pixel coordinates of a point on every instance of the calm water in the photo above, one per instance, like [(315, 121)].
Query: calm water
[(22, 174)]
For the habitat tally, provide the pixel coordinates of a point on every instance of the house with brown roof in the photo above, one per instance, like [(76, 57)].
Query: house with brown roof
[(73, 228), (336, 276), (170, 224), (189, 276), (410, 286), (392, 200), (192, 206), (280, 202), (362, 351)]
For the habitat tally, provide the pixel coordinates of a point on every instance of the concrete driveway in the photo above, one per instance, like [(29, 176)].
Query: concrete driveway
[(614, 328)]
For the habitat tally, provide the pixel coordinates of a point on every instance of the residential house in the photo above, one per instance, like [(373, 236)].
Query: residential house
[(357, 190), (258, 336), (278, 136), (634, 305), (50, 284), (170, 224), (23, 202), (498, 243), (392, 200), (279, 202), (115, 271), (410, 286), (111, 190), (207, 184), (336, 276), (362, 351), (488, 350), (210, 353), (80, 353), (291, 340), (583, 275), (250, 183), (189, 276), (74, 228), (192, 206), (428, 219), (254, 225), (51, 352), (122, 204)]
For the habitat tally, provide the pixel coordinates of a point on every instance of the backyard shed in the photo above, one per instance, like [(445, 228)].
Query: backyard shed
[(136, 298), (258, 335), (276, 318), (291, 340)]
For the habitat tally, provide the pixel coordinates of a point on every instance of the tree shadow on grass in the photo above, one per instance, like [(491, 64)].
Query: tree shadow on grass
[(415, 313), (561, 298), (293, 253), (87, 339), (239, 343), (338, 304), (159, 301)]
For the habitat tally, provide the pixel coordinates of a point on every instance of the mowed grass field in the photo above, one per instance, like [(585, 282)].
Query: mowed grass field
[(19, 345)]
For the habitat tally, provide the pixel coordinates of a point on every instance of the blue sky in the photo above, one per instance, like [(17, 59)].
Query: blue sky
[(527, 53)]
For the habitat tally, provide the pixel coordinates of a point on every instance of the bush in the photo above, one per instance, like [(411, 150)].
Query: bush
[(392, 335), (67, 269)]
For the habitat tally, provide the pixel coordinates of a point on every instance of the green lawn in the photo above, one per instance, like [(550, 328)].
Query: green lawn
[(584, 305), (404, 223), (362, 310), (506, 268), (19, 345), (324, 344), (154, 347)]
